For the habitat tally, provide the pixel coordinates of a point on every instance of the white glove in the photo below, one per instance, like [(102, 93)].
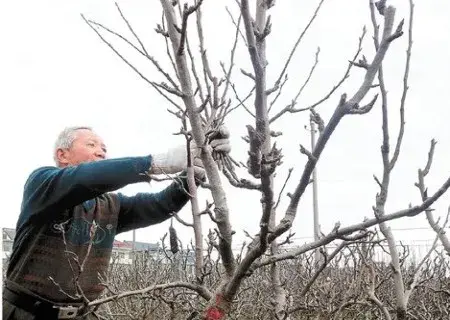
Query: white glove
[(172, 161), (175, 159)]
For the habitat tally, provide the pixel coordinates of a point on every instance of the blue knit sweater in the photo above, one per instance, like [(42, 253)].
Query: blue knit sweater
[(77, 198)]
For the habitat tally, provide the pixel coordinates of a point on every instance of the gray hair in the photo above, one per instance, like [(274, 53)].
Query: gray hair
[(65, 139)]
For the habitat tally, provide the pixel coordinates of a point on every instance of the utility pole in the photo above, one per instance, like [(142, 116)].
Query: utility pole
[(317, 255)]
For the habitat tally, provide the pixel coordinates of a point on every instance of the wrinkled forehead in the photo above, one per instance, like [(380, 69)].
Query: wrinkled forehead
[(84, 135)]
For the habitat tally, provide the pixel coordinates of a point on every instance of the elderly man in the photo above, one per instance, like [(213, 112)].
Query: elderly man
[(68, 207)]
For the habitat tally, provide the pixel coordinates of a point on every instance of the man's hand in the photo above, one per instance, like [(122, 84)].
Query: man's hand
[(220, 144), (175, 159), (219, 141)]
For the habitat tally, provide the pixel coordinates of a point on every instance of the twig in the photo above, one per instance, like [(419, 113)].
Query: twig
[(327, 260), (277, 82), (305, 151), (196, 77), (294, 101), (152, 83), (284, 185), (412, 285), (240, 183), (131, 29), (290, 107), (211, 216), (200, 290), (248, 74), (168, 52), (236, 25), (207, 75), (241, 102), (186, 13), (184, 223), (287, 240), (423, 193), (426, 170), (278, 93), (232, 55), (165, 87), (62, 290), (405, 88), (142, 52)]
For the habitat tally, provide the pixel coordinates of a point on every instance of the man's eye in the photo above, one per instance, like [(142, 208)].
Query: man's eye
[(91, 144)]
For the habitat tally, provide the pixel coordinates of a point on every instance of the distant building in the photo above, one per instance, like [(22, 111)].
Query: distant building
[(121, 253), (144, 246)]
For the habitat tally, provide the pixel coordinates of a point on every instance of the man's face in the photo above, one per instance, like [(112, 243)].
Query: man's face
[(86, 147)]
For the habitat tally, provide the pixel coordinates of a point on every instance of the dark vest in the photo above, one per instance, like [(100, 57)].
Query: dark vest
[(48, 260)]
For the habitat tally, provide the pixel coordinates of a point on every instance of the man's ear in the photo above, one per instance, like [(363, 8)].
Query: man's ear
[(62, 155)]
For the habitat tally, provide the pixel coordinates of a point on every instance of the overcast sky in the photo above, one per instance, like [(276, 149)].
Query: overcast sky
[(56, 72)]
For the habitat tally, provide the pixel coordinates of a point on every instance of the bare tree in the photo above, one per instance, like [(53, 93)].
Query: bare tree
[(202, 101)]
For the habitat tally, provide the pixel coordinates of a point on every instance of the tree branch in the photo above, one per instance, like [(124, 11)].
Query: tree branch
[(200, 290), (218, 194), (410, 212), (277, 82), (423, 193), (373, 297), (294, 101), (405, 88), (290, 107)]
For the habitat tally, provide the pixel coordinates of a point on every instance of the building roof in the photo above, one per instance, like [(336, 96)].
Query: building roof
[(121, 244), (142, 246)]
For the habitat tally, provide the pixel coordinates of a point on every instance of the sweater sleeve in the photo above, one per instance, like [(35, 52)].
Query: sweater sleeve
[(52, 190), (145, 209)]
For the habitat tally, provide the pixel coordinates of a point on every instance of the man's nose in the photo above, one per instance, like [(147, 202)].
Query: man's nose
[(100, 153)]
